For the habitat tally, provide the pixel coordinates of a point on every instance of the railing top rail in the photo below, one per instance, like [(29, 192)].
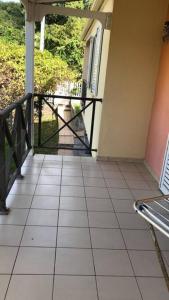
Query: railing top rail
[(6, 111), (68, 97)]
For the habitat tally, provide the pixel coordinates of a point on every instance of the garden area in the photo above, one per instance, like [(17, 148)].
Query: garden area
[(61, 61)]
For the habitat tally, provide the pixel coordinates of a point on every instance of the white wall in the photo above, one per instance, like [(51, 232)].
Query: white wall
[(134, 53), (106, 7)]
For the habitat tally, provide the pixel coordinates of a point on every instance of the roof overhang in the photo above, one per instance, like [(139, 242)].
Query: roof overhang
[(96, 6), (36, 10)]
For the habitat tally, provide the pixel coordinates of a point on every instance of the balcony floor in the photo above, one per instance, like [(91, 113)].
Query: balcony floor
[(72, 233)]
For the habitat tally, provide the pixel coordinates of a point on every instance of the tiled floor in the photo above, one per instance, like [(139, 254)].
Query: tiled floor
[(72, 233)]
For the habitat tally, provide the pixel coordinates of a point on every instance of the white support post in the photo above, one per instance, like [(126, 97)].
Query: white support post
[(42, 35), (29, 78)]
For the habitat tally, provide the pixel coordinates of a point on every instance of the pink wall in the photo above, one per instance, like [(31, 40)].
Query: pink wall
[(159, 124)]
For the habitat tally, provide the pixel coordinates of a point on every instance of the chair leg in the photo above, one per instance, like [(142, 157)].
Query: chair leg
[(160, 257)]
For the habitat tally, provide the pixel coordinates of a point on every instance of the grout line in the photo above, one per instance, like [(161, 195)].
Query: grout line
[(95, 276), (82, 275), (81, 227), (53, 284), (73, 247)]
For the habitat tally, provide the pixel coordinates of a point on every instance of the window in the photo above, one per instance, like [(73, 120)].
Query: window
[(94, 61)]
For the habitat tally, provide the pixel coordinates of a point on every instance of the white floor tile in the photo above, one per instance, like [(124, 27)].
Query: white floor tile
[(116, 183), (112, 262), (107, 238), (71, 158), (35, 261), (99, 204), (33, 163), (50, 171), (72, 191), (138, 239), (92, 173), (52, 164), (67, 180), (112, 175), (10, 235), (30, 287), (127, 166), (47, 190), (4, 280), (162, 240), (74, 262), (51, 180), (42, 217), (71, 165), (73, 237), (73, 218), (72, 203), (109, 167), (153, 288), (145, 263), (19, 201), (75, 288), (120, 193), (97, 182), (45, 202), (30, 171), (118, 288), (102, 220), (131, 221), (7, 259), (32, 179), (72, 172), (123, 205), (53, 157), (23, 189), (96, 192), (137, 184), (141, 194), (15, 217), (39, 236), (132, 175)]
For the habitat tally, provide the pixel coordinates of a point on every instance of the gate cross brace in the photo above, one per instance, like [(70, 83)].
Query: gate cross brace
[(66, 124)]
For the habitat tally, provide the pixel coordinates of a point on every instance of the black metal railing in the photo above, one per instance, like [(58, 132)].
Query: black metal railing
[(15, 144), (49, 100)]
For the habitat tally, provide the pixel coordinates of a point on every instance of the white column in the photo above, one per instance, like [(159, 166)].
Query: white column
[(29, 41), (42, 35), (29, 78)]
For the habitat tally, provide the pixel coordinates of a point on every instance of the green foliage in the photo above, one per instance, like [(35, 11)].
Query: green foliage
[(65, 41), (12, 22), (77, 108), (87, 3), (49, 71)]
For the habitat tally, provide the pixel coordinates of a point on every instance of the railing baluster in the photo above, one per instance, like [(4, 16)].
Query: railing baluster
[(39, 120), (19, 149), (92, 125), (29, 118)]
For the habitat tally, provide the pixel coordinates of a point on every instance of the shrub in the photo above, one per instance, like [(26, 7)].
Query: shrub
[(49, 71)]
